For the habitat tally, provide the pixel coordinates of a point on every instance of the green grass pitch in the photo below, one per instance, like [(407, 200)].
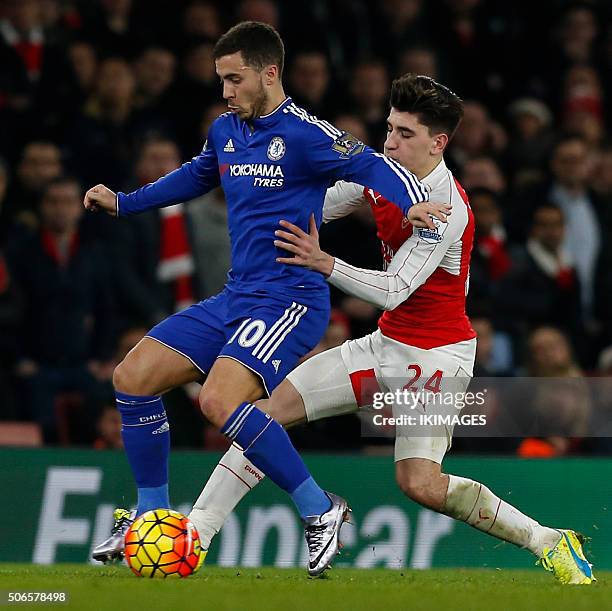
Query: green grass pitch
[(267, 589)]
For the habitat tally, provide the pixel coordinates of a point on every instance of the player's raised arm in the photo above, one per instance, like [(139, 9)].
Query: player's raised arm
[(192, 179)]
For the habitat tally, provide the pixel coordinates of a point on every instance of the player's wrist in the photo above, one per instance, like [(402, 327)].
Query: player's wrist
[(326, 264)]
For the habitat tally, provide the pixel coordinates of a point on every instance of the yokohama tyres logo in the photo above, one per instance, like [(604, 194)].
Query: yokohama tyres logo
[(264, 170)]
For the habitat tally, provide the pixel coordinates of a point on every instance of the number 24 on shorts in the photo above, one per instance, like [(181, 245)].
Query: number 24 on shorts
[(432, 384)]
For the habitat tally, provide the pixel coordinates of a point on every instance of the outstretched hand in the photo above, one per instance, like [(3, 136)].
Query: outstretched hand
[(304, 246), (420, 215), (101, 198)]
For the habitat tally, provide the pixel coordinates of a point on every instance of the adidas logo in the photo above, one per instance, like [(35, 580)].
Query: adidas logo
[(164, 428), (229, 147), (276, 363)]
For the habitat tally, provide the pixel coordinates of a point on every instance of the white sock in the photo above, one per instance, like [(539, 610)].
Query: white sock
[(475, 504), (230, 481)]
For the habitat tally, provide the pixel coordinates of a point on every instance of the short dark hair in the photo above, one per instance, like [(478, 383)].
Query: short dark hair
[(545, 206), (30, 143), (436, 106), (62, 179), (484, 192), (566, 138), (152, 139), (259, 43)]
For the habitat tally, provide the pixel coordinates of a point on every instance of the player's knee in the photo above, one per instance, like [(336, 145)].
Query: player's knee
[(121, 378), (213, 406), (129, 380)]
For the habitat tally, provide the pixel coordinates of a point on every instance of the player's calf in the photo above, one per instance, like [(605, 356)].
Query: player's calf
[(475, 504), (285, 405), (422, 481)]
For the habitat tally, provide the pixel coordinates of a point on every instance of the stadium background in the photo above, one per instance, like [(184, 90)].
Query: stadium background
[(121, 92)]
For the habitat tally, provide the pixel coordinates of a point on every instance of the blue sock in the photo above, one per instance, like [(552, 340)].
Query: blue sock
[(156, 497), (268, 447), (146, 437), (307, 498)]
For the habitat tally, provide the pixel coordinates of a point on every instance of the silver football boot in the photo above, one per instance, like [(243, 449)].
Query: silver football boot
[(113, 547), (323, 535)]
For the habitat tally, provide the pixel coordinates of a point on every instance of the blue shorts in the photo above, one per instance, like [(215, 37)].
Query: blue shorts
[(267, 333)]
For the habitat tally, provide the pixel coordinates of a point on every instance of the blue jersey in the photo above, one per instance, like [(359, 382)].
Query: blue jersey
[(277, 166)]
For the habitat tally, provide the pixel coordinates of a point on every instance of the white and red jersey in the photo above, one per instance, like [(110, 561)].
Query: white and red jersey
[(424, 284)]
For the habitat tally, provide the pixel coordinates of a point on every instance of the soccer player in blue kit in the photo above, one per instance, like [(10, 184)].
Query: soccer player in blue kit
[(274, 161)]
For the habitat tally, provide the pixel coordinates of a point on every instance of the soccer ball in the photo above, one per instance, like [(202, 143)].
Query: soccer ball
[(163, 543)]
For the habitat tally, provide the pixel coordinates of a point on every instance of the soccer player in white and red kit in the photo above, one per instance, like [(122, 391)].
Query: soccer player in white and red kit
[(424, 339)]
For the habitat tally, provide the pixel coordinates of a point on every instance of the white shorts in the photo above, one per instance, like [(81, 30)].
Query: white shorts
[(331, 382)]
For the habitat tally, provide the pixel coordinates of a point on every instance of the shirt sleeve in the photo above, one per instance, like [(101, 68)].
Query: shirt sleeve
[(191, 180), (413, 263), (342, 199), (340, 156)]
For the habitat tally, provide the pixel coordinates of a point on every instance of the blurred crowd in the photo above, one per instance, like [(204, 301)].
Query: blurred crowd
[(121, 92)]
